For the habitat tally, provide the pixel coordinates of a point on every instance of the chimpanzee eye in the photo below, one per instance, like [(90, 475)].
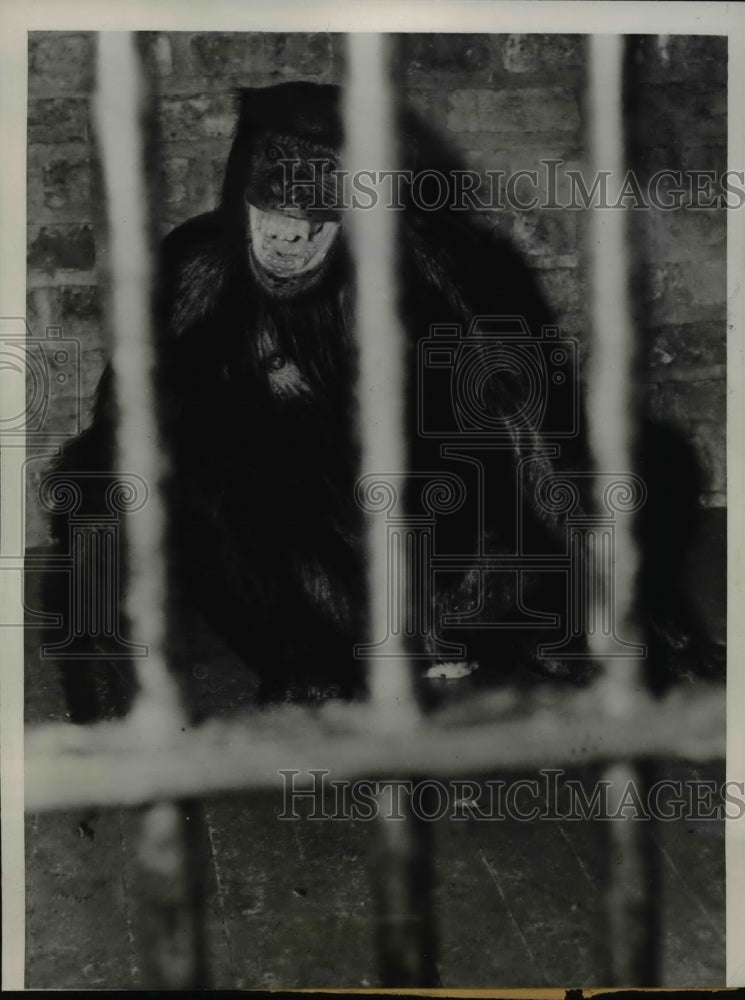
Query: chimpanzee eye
[(274, 152)]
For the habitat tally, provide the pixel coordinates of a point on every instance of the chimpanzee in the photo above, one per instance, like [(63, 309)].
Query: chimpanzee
[(256, 379)]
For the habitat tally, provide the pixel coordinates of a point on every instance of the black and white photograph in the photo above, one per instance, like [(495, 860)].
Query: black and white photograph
[(367, 442)]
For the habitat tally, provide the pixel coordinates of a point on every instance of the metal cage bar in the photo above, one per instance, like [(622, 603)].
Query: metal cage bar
[(632, 932), (401, 875), (171, 946)]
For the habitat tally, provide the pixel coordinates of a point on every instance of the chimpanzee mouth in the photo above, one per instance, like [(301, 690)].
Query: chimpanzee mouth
[(287, 246)]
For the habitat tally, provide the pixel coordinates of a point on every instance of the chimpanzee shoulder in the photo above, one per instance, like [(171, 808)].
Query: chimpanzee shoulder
[(477, 270), (195, 260)]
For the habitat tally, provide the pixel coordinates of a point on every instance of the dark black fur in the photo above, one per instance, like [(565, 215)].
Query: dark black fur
[(265, 539)]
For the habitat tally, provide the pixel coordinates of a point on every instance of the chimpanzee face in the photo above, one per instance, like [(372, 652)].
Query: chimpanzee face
[(293, 221)]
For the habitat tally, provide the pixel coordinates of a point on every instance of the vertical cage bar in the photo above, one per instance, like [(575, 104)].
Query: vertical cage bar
[(611, 397), (120, 108), (170, 942), (633, 947), (371, 146), (401, 870), (405, 933)]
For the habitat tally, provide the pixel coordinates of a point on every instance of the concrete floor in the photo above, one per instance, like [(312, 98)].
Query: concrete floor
[(290, 903)]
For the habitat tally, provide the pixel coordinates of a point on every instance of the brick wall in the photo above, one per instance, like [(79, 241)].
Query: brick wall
[(503, 102)]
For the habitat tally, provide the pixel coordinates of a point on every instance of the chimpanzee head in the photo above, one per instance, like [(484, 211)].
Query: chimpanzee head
[(280, 183)]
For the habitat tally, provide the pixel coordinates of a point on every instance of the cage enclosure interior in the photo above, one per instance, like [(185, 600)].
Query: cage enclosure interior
[(375, 510)]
